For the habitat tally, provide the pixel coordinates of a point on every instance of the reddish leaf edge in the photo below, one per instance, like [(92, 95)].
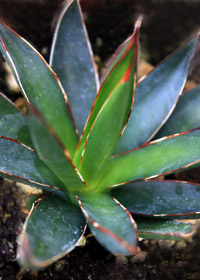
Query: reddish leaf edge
[(26, 254), (12, 103), (175, 234), (66, 6), (136, 59), (2, 172), (170, 215), (132, 41), (118, 50), (173, 53), (51, 131), (100, 111), (16, 141), (130, 248), (51, 70), (125, 78), (160, 174), (31, 182), (196, 50)]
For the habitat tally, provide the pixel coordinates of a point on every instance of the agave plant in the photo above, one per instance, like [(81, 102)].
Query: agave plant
[(89, 149)]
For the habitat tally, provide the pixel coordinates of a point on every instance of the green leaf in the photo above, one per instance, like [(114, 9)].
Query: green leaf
[(185, 116), (52, 229), (116, 80), (161, 199), (72, 60), (105, 133), (39, 84), (108, 125), (163, 156), (12, 123), (21, 164), (54, 154), (111, 224), (164, 230), (156, 96)]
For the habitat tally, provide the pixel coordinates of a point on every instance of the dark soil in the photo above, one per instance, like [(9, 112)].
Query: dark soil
[(157, 260)]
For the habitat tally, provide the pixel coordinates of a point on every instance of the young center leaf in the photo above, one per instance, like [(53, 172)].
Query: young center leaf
[(120, 79), (104, 134)]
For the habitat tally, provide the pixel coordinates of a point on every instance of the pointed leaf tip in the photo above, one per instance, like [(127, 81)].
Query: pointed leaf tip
[(114, 101), (156, 97), (43, 90), (72, 59)]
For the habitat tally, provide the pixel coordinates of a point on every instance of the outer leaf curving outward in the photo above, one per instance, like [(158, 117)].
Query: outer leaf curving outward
[(54, 154), (161, 199), (52, 229), (72, 59), (12, 123), (43, 90), (166, 155), (122, 77), (164, 229), (111, 224), (21, 164), (185, 116), (156, 97)]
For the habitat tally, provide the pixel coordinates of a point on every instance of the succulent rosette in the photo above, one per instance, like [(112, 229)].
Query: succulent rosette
[(90, 148)]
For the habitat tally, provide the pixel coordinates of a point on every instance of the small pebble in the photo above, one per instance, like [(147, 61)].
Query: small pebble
[(121, 260), (140, 257), (180, 245)]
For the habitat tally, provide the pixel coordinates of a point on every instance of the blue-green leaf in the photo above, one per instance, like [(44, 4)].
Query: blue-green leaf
[(12, 123), (156, 96), (111, 224), (52, 229), (39, 85), (185, 116), (21, 164), (164, 229), (54, 154), (161, 199), (72, 60)]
